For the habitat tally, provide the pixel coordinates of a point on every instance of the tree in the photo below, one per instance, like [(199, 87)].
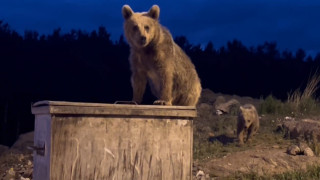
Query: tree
[(300, 55), (209, 49), (183, 42)]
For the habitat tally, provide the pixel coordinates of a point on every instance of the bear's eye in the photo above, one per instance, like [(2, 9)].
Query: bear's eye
[(147, 28), (135, 28)]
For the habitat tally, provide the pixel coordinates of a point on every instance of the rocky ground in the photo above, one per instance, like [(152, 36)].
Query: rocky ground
[(271, 152), (216, 155), (16, 161), (261, 160)]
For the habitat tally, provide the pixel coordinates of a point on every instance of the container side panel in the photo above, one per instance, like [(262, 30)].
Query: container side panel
[(42, 138), (121, 148)]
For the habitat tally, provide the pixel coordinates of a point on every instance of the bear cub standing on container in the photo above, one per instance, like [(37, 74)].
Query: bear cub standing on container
[(155, 58), (248, 121)]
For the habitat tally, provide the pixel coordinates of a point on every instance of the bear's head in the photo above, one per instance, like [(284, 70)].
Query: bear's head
[(140, 28), (247, 115)]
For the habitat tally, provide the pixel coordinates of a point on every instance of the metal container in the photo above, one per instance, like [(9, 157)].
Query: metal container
[(112, 141)]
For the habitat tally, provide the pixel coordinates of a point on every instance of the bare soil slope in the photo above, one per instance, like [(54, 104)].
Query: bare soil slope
[(260, 159)]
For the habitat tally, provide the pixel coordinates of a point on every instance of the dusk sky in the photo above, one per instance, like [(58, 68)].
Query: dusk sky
[(292, 24)]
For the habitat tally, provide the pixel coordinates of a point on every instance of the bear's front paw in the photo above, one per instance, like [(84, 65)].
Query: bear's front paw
[(240, 144), (249, 141), (162, 102)]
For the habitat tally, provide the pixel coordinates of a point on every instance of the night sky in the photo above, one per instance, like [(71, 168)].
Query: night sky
[(292, 24)]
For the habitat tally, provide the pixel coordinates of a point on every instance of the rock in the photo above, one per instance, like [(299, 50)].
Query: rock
[(29, 163), (305, 149), (11, 172), (307, 129), (27, 172), (288, 118), (23, 142), (228, 107), (205, 107), (200, 175), (211, 135), (219, 100), (219, 112), (3, 149), (308, 152), (302, 146), (207, 96), (293, 150), (16, 162), (300, 149)]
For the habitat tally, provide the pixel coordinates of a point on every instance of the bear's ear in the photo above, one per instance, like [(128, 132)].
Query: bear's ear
[(241, 108), (154, 12), (126, 11)]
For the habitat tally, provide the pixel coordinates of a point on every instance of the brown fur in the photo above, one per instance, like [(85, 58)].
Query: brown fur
[(248, 121), (155, 58)]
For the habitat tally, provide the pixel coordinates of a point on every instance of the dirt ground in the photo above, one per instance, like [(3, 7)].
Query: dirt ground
[(267, 155), (220, 158), (16, 162), (260, 159)]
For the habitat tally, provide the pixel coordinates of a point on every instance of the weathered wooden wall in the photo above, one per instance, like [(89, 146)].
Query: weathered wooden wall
[(117, 142)]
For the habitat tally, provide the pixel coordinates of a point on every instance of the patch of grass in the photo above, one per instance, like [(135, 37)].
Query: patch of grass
[(316, 148), (298, 104), (221, 143), (215, 149), (211, 129), (220, 128), (304, 102), (297, 97), (314, 144), (271, 105), (224, 141), (312, 172)]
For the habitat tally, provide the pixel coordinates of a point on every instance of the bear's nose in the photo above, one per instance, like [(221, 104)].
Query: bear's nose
[(143, 39)]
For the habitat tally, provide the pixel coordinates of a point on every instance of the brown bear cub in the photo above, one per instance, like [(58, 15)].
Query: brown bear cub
[(155, 58), (248, 121)]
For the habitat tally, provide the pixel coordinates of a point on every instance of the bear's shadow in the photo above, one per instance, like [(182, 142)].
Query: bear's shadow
[(224, 139)]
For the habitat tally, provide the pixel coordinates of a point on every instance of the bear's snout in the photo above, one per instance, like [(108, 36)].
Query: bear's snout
[(143, 40)]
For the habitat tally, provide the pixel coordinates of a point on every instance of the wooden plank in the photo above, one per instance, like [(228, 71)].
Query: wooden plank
[(120, 112), (55, 107), (66, 103)]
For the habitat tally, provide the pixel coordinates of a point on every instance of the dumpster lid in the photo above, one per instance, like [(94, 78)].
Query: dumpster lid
[(74, 108)]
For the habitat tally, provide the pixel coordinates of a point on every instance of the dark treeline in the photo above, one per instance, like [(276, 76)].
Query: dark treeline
[(89, 67), (255, 71)]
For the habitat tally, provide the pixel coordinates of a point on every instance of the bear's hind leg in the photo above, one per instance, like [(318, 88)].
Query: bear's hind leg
[(188, 100)]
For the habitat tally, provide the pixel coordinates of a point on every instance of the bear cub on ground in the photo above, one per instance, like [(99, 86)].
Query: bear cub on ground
[(157, 60), (248, 122)]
